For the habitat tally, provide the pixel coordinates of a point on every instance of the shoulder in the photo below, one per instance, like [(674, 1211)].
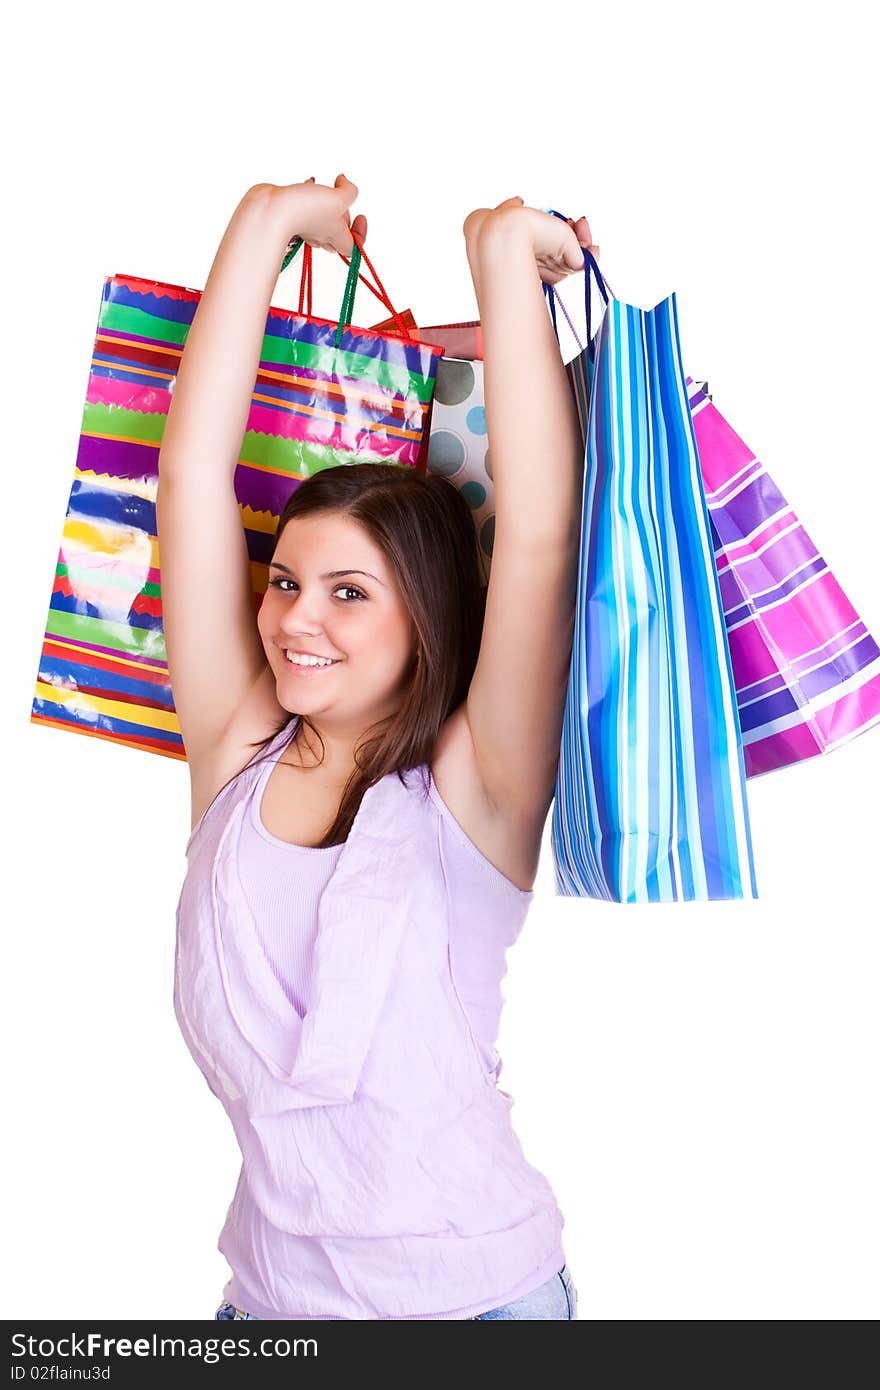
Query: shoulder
[(510, 846)]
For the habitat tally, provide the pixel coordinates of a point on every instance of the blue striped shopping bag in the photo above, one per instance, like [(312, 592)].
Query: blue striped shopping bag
[(650, 802)]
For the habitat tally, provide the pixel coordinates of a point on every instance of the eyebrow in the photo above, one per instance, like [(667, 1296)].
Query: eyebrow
[(331, 574)]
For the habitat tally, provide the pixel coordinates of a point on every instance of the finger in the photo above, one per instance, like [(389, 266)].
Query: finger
[(474, 221), (572, 259), (582, 230), (346, 244), (350, 189)]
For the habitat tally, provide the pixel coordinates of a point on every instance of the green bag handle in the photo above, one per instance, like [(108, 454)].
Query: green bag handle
[(347, 310), (293, 246)]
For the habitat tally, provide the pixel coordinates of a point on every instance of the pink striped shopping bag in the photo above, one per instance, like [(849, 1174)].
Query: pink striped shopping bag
[(806, 669)]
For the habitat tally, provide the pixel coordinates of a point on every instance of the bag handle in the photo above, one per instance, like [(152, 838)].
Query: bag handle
[(590, 268), (293, 247), (345, 314)]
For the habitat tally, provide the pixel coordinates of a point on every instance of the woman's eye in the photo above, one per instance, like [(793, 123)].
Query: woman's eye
[(280, 582)]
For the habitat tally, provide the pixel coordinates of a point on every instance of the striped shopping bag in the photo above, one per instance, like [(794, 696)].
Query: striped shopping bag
[(650, 801), (807, 671), (326, 393)]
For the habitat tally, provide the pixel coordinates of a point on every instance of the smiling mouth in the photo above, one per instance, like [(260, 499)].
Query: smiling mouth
[(310, 666)]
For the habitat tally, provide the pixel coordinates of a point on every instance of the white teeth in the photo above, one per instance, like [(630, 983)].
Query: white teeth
[(308, 660)]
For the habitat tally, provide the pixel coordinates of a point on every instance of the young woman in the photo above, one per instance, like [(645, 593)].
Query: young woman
[(352, 889)]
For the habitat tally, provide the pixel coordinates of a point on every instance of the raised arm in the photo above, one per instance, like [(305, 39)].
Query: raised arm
[(516, 698), (213, 645)]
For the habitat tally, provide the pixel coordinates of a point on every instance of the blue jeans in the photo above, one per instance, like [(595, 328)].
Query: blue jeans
[(556, 1299)]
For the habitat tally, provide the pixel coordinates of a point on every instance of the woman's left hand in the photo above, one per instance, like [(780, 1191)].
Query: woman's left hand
[(557, 245)]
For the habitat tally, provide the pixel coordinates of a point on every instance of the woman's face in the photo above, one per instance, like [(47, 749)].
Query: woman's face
[(358, 619)]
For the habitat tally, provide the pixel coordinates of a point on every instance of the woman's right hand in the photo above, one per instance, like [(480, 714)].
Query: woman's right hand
[(318, 213)]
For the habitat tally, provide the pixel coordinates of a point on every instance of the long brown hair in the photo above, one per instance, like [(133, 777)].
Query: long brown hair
[(424, 527)]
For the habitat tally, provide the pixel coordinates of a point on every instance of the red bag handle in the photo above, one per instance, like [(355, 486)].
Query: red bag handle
[(305, 287)]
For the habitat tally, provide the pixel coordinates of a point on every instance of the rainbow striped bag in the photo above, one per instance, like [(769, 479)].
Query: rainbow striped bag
[(650, 802), (326, 393)]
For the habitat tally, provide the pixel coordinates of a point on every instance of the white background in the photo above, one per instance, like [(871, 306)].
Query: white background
[(698, 1082)]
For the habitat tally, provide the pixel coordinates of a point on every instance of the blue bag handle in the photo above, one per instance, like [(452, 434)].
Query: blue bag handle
[(590, 268)]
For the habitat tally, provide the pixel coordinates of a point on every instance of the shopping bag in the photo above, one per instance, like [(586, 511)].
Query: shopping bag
[(457, 446), (807, 671), (455, 443), (805, 667), (326, 393), (650, 802), (464, 340)]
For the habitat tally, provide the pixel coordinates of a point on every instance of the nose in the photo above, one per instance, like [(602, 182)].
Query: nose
[(303, 615)]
